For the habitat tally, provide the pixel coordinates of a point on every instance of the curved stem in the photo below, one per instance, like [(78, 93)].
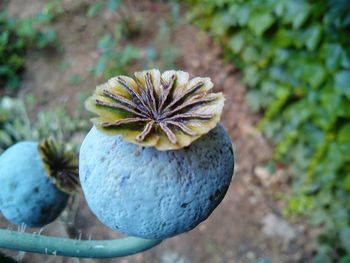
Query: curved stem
[(74, 248)]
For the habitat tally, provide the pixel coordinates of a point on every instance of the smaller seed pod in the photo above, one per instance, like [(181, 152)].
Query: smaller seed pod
[(157, 162), (36, 181)]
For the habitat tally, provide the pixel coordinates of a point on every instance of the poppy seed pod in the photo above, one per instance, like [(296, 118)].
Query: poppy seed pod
[(36, 180), (157, 162)]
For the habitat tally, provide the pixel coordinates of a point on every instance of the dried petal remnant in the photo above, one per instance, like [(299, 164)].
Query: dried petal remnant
[(168, 111), (60, 165)]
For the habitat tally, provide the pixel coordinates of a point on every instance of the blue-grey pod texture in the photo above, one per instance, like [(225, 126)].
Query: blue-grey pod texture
[(154, 194), (27, 195)]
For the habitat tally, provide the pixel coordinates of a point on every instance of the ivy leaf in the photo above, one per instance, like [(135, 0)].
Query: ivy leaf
[(280, 8), (255, 100), (236, 43), (281, 56), (220, 24), (259, 23), (335, 158), (301, 16), (333, 53), (342, 82), (251, 76), (346, 182), (250, 54), (345, 238), (240, 13), (313, 36), (344, 139), (283, 38), (345, 60), (314, 74), (296, 13)]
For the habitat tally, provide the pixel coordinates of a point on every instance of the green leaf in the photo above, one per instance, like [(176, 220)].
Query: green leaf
[(301, 17), (345, 259), (250, 55), (280, 8), (236, 43), (313, 36), (251, 76), (346, 182), (345, 60), (333, 54), (335, 158), (240, 13), (296, 13), (342, 82), (94, 9), (283, 38), (113, 4), (345, 238), (260, 22), (315, 75), (256, 100), (221, 22), (344, 139), (4, 37)]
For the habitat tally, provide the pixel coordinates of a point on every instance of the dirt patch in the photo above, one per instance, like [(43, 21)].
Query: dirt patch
[(235, 231)]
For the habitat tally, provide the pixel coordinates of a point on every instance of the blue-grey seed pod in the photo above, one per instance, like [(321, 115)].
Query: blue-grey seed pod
[(27, 195), (154, 194)]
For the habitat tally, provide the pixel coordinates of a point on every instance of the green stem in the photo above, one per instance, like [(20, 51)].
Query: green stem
[(74, 248)]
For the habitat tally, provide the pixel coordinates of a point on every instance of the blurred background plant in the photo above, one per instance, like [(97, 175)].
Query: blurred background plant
[(118, 54), (16, 125), (16, 37), (295, 57)]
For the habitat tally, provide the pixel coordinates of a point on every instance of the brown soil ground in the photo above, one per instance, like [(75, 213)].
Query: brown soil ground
[(248, 225)]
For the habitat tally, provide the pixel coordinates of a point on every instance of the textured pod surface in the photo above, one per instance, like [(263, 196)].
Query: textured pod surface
[(154, 194), (27, 195)]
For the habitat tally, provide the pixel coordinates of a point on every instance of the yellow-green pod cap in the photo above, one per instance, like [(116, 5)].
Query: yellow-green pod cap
[(60, 164), (167, 111)]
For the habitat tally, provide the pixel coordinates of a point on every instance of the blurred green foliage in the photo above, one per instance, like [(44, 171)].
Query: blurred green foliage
[(161, 52), (15, 125), (295, 57), (16, 37), (117, 54), (114, 58), (98, 6)]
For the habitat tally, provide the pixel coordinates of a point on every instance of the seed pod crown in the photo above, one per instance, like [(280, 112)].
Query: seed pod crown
[(61, 165), (167, 111)]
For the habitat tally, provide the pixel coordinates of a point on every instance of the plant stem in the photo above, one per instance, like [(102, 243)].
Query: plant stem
[(74, 248)]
